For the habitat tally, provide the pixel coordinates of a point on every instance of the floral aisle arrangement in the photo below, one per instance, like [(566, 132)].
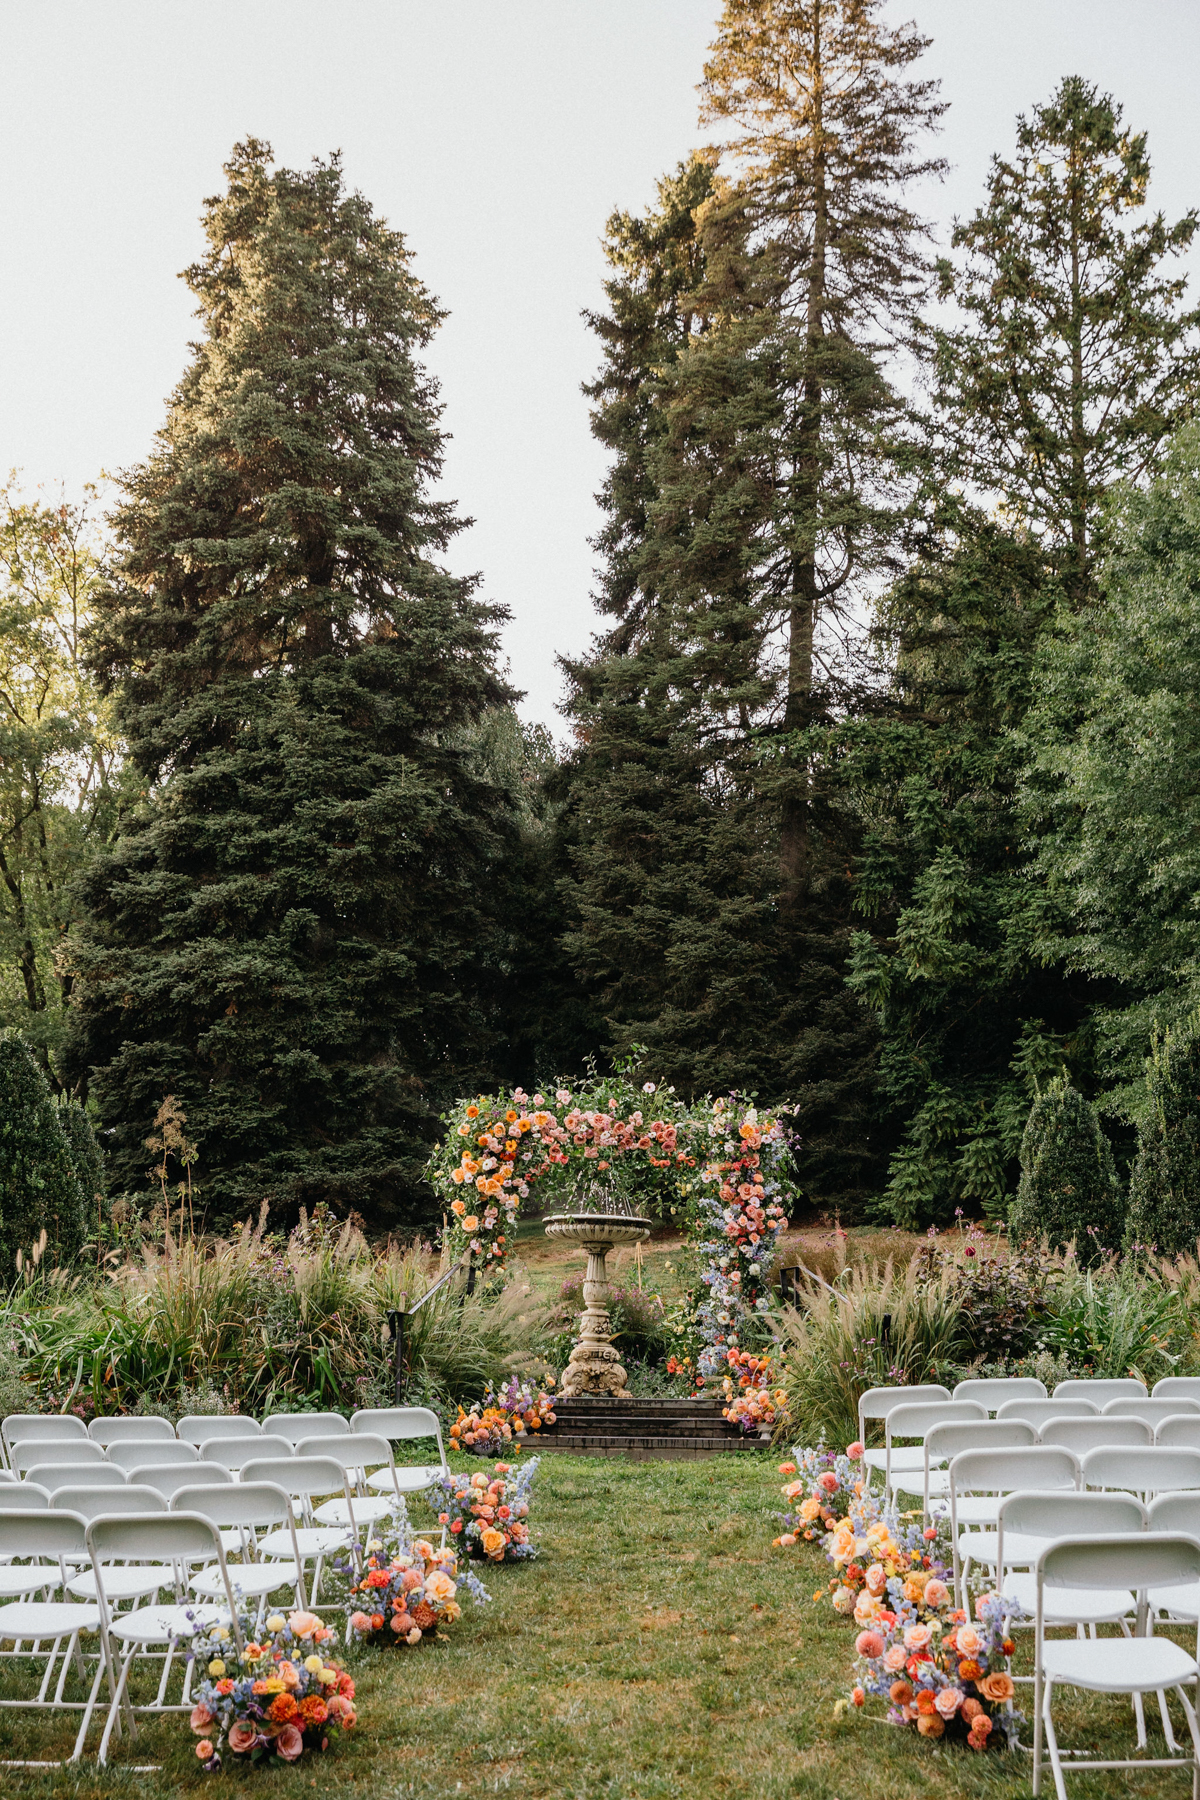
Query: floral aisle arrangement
[(873, 1548), (749, 1398), (503, 1419), (938, 1671), (281, 1697), (487, 1516), (825, 1485), (408, 1592), (740, 1216)]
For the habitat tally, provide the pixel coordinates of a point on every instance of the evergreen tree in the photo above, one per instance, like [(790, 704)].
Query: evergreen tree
[(1069, 1190), (87, 1163), (287, 933), (1074, 359), (1164, 1188), (38, 1188)]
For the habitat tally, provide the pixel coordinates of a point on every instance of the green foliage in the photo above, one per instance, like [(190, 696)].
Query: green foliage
[(39, 1191), (1164, 1187), (1120, 1320), (84, 1152), (1069, 1191), (59, 757), (291, 930), (1114, 791)]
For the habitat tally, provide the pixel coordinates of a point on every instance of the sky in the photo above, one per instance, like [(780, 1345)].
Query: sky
[(498, 135)]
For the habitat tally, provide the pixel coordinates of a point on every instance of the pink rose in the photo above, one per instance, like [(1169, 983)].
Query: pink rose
[(338, 1707), (290, 1742), (828, 1481), (876, 1578), (917, 1637), (854, 1451), (969, 1640), (948, 1701), (936, 1593), (201, 1718), (895, 1658), (868, 1643), (242, 1737)]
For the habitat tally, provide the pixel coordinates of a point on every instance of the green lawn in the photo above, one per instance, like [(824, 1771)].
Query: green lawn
[(659, 1650)]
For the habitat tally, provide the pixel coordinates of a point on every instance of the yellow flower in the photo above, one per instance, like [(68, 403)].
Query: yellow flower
[(276, 1622), (313, 1663), (220, 1632), (216, 1667)]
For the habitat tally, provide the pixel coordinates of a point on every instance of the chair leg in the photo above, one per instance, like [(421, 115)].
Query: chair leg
[(1189, 1713), (1060, 1787)]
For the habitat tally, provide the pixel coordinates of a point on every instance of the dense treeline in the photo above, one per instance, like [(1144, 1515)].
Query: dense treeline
[(879, 788)]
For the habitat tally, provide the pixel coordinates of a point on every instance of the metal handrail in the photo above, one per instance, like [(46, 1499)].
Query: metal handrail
[(398, 1314)]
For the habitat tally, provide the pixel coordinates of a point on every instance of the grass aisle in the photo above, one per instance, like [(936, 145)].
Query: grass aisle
[(659, 1650)]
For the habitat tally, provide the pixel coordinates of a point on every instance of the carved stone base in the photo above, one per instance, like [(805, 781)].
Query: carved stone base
[(593, 1368)]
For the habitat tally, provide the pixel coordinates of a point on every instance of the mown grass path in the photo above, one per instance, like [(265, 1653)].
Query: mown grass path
[(659, 1650)]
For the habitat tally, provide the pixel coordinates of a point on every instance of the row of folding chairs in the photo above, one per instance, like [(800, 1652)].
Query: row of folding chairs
[(72, 1570), (397, 1423)]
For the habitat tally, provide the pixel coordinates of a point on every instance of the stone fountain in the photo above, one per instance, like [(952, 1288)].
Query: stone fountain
[(602, 1222)]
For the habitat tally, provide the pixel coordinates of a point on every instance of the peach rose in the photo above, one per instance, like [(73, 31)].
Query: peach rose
[(854, 1451), (204, 1749), (242, 1737), (290, 1742), (828, 1481), (876, 1579), (997, 1687), (201, 1718), (303, 1624), (339, 1708), (969, 1640), (895, 1658), (948, 1701), (917, 1637), (439, 1588), (936, 1593)]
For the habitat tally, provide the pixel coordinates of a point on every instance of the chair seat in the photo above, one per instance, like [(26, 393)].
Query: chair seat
[(1070, 1606), (131, 1582), (160, 1624), (912, 1481), (410, 1481), (1117, 1665), (1180, 1602), (28, 1578), (979, 1509), (251, 1579), (47, 1618), (366, 1511), (984, 1547), (310, 1541), (902, 1458)]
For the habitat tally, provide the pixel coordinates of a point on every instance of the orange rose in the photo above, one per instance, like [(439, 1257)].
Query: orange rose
[(997, 1687)]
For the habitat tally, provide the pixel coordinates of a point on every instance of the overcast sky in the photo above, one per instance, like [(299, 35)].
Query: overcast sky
[(497, 135)]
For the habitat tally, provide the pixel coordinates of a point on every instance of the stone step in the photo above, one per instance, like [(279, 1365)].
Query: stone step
[(603, 1406), (649, 1425), (641, 1449)]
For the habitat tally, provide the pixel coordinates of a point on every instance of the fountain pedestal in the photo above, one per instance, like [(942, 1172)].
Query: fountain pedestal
[(594, 1367)]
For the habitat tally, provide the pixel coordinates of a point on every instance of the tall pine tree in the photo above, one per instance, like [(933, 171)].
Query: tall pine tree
[(1071, 357), (285, 935)]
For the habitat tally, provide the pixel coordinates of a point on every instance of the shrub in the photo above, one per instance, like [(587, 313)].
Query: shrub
[(1164, 1189), (38, 1188), (86, 1159), (1069, 1191)]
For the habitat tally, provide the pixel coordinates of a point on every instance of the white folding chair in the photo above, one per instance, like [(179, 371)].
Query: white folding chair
[(127, 1430), (305, 1478), (875, 1406), (1146, 1470), (157, 1632), (947, 1441), (1082, 1435), (136, 1580), (198, 1428), (1182, 1429), (133, 1455), (167, 1479), (294, 1426), (43, 1452), (1036, 1412), (360, 1455), (61, 1475), (1153, 1411), (1176, 1384), (234, 1453), (1115, 1387), (1179, 1513), (978, 1480), (26, 1496), (1029, 1521), (241, 1510), (402, 1424), (915, 1421), (55, 1541), (993, 1391), (20, 1427), (1124, 1665)]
